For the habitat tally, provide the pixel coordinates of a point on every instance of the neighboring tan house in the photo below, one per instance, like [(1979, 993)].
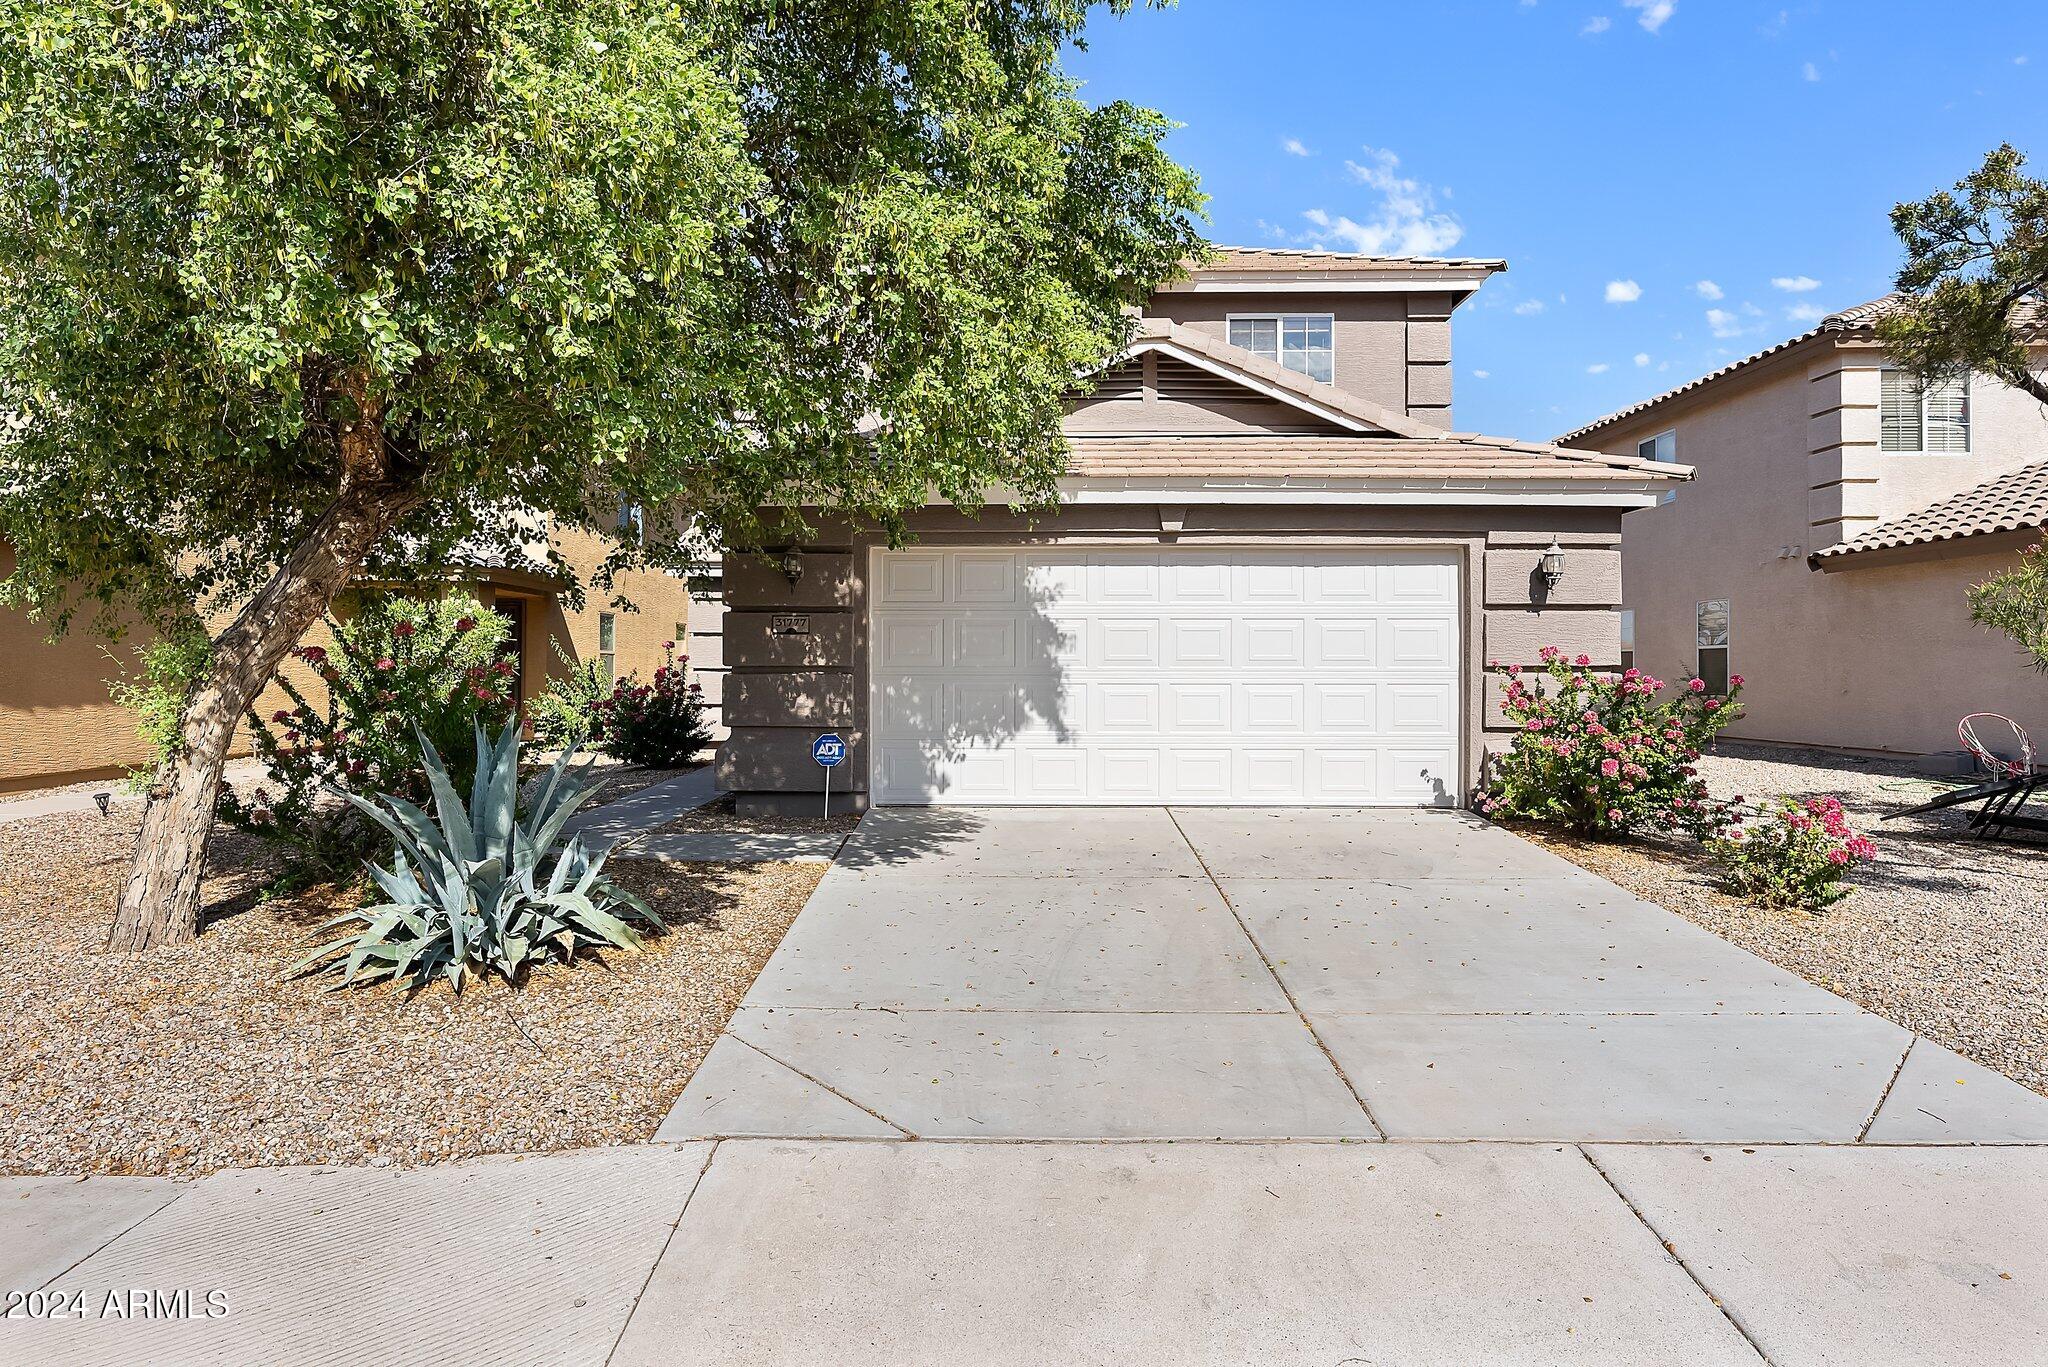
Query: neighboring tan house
[(1275, 577), (58, 723), (1837, 518)]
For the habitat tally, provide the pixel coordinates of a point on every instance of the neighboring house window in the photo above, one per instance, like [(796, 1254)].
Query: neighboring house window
[(631, 521), (1628, 639), (608, 643), (1917, 418), (1298, 341), (1712, 663), (1664, 447)]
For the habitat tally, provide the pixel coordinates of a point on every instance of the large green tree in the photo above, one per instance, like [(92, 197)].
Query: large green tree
[(293, 286), (1974, 284)]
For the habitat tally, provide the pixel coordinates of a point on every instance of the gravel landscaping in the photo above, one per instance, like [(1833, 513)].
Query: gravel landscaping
[(1945, 934), (721, 817), (205, 1056)]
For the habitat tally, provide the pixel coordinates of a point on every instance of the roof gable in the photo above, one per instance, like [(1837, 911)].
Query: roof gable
[(1320, 407)]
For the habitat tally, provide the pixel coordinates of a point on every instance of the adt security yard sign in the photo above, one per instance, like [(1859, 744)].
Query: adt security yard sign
[(830, 752)]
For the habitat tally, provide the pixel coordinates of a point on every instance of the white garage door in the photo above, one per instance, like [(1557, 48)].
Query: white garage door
[(1165, 675)]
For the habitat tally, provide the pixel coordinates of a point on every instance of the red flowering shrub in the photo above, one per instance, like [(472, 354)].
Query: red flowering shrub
[(658, 724), (1605, 754), (397, 664), (1795, 855)]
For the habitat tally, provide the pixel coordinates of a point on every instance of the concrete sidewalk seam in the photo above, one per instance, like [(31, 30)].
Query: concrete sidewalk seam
[(1671, 1249), (661, 1252), (1886, 1094), (119, 1235), (820, 1082), (1278, 981)]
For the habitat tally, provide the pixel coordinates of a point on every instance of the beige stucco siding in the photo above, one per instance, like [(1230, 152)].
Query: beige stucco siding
[(1787, 461), (59, 724), (780, 694)]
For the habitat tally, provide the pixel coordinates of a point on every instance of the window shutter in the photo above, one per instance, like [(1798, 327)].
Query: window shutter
[(1948, 417), (1899, 413)]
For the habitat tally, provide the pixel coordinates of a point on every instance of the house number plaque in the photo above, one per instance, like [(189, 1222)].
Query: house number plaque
[(790, 624)]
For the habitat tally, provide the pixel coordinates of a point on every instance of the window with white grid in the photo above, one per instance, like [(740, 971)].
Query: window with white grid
[(1299, 341), (1915, 417)]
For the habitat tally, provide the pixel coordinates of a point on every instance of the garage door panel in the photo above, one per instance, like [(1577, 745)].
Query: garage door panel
[(910, 641), (1272, 775), (1126, 643), (1198, 643), (1418, 644), (913, 577), (1179, 675), (983, 641), (1199, 708), (1121, 709), (1272, 643), (984, 579), (1124, 579)]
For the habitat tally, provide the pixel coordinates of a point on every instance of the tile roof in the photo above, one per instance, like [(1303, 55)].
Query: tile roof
[(1445, 456), (1236, 359), (1317, 259), (2014, 501), (1856, 319)]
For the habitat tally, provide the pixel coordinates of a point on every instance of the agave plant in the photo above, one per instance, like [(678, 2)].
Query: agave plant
[(479, 889)]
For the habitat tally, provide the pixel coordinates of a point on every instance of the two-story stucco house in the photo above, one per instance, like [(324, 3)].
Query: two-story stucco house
[(1275, 576), (1838, 516)]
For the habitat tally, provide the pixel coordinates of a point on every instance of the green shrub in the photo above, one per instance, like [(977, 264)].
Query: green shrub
[(2015, 601), (482, 888), (400, 668), (1605, 754), (170, 668), (658, 724), (1795, 855), (566, 714)]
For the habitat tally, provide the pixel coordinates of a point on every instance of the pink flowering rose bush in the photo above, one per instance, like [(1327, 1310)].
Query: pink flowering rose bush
[(658, 724), (1605, 754), (1794, 855)]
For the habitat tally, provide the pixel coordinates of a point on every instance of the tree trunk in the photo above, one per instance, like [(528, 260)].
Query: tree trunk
[(160, 903)]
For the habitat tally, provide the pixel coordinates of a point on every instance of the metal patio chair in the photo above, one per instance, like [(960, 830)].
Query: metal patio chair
[(2008, 785)]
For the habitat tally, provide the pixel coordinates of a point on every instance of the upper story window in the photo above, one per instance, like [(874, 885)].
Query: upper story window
[(1914, 417), (1299, 341), (1664, 447)]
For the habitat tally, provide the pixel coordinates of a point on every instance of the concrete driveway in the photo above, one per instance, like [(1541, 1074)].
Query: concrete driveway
[(1143, 973), (1476, 1106)]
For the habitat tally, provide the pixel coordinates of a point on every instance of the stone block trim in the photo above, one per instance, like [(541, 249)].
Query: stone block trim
[(770, 640), (754, 582), (1592, 578), (810, 699), (775, 759)]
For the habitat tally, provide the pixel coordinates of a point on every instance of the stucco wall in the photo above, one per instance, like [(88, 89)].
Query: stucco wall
[(1394, 349), (1787, 462), (782, 691), (58, 723)]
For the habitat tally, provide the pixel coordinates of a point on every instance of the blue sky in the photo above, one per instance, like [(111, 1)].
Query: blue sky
[(1674, 183)]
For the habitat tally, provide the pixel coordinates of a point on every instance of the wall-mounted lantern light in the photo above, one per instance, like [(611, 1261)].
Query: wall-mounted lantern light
[(1553, 565), (792, 566)]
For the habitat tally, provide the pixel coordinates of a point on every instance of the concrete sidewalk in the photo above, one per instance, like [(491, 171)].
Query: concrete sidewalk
[(856, 1253)]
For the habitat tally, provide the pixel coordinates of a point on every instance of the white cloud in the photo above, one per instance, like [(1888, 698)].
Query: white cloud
[(1707, 289), (1642, 358), (1407, 222), (1724, 323), (1795, 284), (1529, 306), (1599, 23), (1294, 147), (2020, 60), (1654, 12), (1482, 374), (1804, 312), (1599, 368), (1810, 71), (1623, 291)]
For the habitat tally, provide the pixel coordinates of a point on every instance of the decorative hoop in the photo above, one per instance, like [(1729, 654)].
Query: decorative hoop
[(1966, 732)]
